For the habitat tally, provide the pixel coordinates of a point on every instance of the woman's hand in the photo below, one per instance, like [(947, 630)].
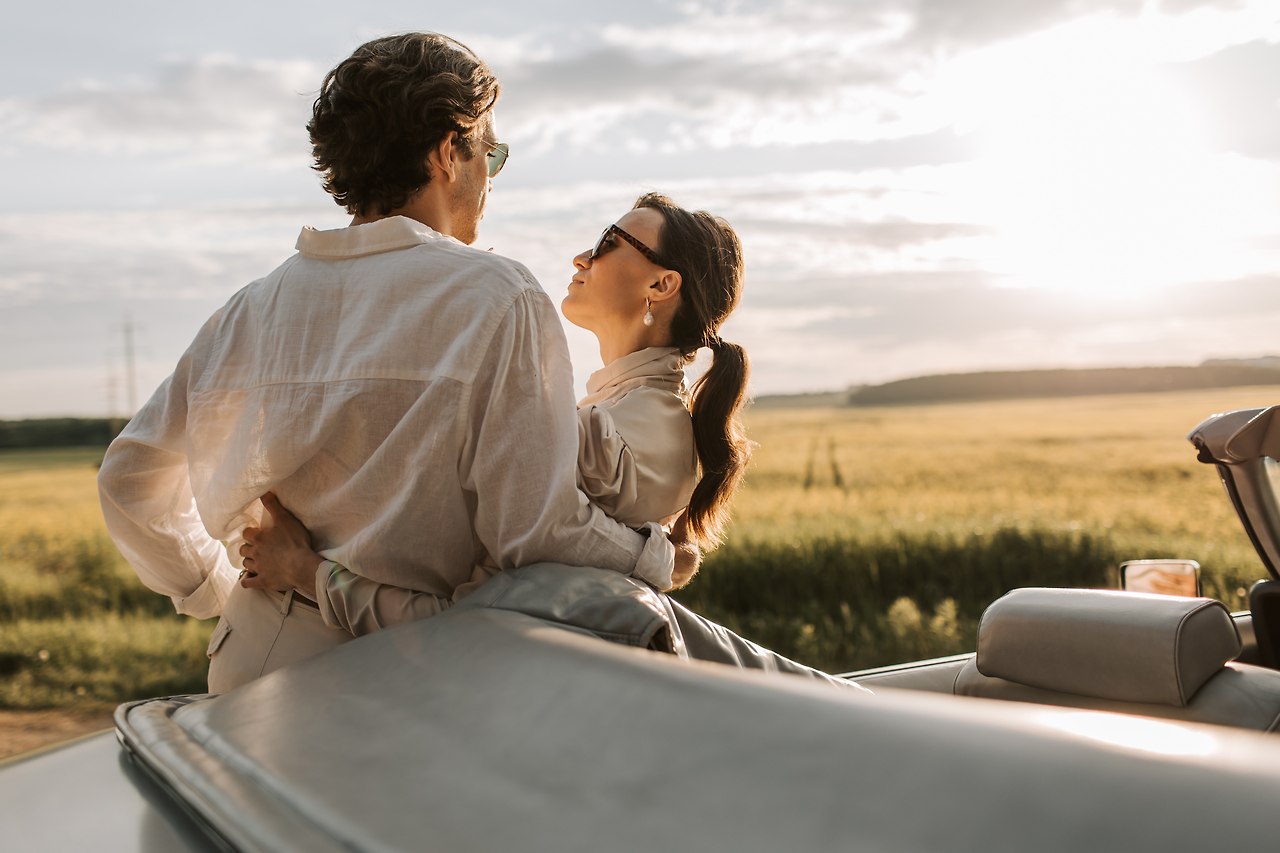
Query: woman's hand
[(279, 557)]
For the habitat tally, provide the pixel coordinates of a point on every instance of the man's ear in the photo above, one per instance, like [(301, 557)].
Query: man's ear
[(442, 160), (666, 287)]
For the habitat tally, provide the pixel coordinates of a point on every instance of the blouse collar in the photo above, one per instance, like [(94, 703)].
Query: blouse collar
[(654, 367)]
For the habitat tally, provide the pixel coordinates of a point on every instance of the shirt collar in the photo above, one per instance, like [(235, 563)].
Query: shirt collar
[(371, 238)]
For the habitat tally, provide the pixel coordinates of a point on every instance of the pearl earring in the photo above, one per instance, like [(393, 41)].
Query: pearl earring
[(648, 313)]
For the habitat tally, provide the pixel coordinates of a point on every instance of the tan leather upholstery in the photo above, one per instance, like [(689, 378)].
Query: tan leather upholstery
[(1144, 654), (1124, 646)]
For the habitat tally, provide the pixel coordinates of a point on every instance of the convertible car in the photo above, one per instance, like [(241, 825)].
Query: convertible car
[(562, 712)]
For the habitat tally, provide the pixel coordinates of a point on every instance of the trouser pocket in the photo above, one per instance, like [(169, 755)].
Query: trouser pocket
[(220, 633)]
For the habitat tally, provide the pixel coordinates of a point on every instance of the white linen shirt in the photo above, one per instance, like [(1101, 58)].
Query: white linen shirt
[(636, 460), (407, 397)]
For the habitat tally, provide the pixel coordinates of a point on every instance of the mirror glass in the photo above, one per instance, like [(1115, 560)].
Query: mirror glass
[(1163, 577), (1272, 469)]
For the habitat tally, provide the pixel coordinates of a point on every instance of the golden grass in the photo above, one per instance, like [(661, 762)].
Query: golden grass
[(862, 536), (1117, 467), (52, 493)]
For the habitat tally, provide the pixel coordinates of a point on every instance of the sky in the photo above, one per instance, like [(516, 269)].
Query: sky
[(920, 186)]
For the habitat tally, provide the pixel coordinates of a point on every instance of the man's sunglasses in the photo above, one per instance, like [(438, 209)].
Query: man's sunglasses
[(497, 157), (606, 244)]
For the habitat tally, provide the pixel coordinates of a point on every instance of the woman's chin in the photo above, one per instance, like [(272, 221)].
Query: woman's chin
[(571, 313)]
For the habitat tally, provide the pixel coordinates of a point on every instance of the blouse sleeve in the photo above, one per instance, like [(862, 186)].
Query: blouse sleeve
[(606, 466), (362, 606)]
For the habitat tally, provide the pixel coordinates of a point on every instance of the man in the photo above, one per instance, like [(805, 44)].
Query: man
[(409, 397)]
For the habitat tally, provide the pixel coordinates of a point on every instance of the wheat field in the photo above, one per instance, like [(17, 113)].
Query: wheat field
[(875, 535), (862, 536)]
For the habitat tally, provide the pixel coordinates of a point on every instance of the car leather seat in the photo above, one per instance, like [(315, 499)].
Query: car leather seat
[(1134, 653)]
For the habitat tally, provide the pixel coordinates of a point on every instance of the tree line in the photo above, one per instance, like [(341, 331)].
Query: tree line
[(58, 432)]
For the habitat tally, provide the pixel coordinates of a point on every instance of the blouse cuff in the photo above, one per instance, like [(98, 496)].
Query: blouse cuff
[(657, 560), (324, 573)]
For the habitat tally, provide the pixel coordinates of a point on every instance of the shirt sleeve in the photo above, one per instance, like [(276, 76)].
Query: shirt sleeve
[(361, 606), (519, 462), (145, 489)]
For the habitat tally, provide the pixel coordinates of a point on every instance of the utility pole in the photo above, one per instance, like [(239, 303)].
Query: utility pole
[(131, 381), (113, 387)]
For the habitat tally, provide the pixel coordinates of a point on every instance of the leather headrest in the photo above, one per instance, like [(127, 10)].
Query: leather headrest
[(1124, 646)]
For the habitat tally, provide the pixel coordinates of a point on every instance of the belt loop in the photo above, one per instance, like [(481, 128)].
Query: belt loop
[(286, 601)]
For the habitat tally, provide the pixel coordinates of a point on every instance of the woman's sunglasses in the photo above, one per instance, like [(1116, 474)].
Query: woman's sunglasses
[(497, 158), (606, 243)]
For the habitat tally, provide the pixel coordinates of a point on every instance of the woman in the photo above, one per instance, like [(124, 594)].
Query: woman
[(654, 289)]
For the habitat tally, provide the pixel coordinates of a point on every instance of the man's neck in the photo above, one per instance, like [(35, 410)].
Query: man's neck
[(421, 207)]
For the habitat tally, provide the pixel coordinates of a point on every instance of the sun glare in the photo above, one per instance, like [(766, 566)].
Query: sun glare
[(1094, 173), (1133, 733)]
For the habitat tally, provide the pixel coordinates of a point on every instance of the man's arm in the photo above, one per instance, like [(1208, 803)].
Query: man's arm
[(145, 490), (520, 458)]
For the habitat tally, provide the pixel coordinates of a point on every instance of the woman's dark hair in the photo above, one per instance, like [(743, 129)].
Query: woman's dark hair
[(705, 251), (381, 110)]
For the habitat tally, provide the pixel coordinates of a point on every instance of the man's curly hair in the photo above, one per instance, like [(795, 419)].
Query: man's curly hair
[(381, 110)]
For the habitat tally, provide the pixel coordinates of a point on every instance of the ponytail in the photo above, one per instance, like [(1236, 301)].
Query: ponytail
[(723, 450), (706, 252)]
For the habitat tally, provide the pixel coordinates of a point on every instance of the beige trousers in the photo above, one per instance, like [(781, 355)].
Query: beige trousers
[(262, 631)]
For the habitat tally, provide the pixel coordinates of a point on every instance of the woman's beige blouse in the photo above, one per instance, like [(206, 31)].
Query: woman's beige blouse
[(636, 457)]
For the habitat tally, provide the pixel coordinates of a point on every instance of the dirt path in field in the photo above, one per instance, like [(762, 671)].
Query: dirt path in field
[(23, 731)]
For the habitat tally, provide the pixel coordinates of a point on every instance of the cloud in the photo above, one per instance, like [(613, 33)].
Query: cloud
[(746, 74), (69, 282), (892, 236), (174, 255), (974, 23), (830, 133), (624, 97), (1237, 298), (211, 110), (1239, 90), (785, 74), (791, 74)]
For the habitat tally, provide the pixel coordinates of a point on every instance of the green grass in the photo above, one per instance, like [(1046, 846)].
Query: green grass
[(105, 658), (45, 460), (862, 537), (76, 625)]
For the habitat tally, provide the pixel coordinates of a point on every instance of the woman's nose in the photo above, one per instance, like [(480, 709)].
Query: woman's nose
[(582, 260)]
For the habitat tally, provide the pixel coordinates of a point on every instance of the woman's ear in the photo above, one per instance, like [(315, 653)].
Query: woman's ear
[(666, 287), (442, 161)]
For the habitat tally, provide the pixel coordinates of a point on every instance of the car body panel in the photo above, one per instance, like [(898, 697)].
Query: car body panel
[(90, 795), (492, 729), (489, 730)]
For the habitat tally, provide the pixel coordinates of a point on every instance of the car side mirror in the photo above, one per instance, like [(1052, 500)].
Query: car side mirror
[(1163, 577)]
